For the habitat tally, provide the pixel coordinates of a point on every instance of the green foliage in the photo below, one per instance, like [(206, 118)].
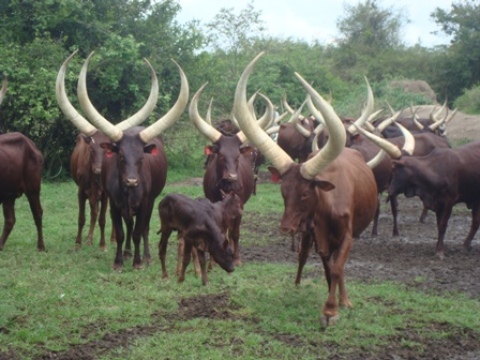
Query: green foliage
[(469, 102)]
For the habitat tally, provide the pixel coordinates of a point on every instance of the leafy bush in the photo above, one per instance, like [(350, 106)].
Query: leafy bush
[(469, 102)]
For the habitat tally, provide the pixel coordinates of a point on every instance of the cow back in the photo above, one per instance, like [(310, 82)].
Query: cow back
[(21, 165)]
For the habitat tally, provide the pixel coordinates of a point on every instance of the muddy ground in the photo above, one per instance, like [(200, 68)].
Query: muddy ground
[(407, 259)]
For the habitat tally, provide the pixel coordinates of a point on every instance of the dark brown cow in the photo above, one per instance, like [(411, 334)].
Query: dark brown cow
[(135, 167), (21, 166), (230, 168), (441, 179), (86, 165), (330, 198), (202, 225), (417, 144)]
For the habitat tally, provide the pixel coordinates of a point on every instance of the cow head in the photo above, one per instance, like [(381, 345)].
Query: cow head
[(301, 183), (126, 146), (96, 153)]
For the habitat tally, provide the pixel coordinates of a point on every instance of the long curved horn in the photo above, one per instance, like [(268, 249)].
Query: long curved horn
[(336, 141), (112, 132), (409, 144), (263, 122), (306, 133), (259, 138), (172, 115), (434, 116), (205, 128), (147, 109), (366, 111), (4, 90), (66, 106), (290, 110), (383, 125), (377, 159), (208, 117), (313, 110), (393, 151)]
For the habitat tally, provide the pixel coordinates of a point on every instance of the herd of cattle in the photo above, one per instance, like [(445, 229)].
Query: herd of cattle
[(332, 171)]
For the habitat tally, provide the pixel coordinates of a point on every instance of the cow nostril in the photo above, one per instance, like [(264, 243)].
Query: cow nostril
[(131, 182)]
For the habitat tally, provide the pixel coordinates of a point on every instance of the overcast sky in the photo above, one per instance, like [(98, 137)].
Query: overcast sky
[(316, 19)]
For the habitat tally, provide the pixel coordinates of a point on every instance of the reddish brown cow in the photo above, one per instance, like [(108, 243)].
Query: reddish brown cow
[(85, 167), (135, 167), (21, 166), (202, 225), (230, 168), (330, 199)]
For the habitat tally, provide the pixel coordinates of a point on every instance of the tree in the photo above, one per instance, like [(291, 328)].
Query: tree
[(459, 68), (369, 41)]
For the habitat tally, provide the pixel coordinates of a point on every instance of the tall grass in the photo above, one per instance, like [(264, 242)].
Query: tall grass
[(70, 304)]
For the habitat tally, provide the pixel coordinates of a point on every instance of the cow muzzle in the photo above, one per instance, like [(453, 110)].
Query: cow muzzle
[(131, 183), (231, 177)]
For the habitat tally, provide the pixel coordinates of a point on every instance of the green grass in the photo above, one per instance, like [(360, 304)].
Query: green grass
[(64, 299)]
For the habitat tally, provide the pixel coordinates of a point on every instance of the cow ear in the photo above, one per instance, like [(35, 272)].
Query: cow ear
[(323, 184), (209, 150), (276, 176), (151, 149), (86, 138)]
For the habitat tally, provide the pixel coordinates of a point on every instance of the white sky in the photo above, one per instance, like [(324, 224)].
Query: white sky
[(316, 19)]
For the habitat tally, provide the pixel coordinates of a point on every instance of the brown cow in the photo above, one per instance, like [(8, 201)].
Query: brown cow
[(135, 166), (21, 166), (330, 198), (202, 225), (230, 168), (441, 179), (86, 165)]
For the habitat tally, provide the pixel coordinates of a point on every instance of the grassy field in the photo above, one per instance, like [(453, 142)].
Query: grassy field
[(71, 304)]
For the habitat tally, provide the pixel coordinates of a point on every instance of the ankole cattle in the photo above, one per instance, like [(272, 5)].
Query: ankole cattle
[(330, 199), (21, 166), (134, 168), (86, 168), (202, 226)]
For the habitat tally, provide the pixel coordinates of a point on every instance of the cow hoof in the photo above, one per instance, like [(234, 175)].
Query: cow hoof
[(77, 247), (326, 320), (137, 266), (118, 268), (127, 254), (104, 248), (440, 255), (237, 262)]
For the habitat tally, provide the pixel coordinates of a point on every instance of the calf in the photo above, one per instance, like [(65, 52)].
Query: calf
[(202, 225)]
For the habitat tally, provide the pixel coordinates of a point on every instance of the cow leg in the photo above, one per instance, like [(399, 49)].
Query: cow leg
[(336, 266), (81, 218), (146, 246), (186, 258), (235, 237), (120, 236), (137, 238), (196, 262), (9, 218), (303, 253), (37, 212), (375, 219), (423, 215), (93, 220), (180, 251), (162, 249), (443, 214), (473, 227), (102, 220), (128, 243), (203, 265), (394, 209)]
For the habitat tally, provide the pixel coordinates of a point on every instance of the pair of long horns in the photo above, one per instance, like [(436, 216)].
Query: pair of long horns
[(115, 132), (206, 128), (267, 146)]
